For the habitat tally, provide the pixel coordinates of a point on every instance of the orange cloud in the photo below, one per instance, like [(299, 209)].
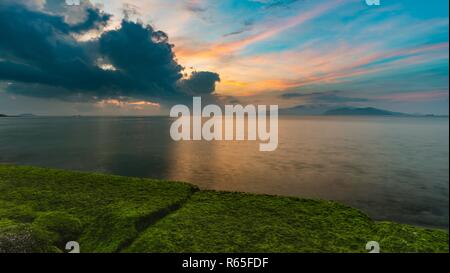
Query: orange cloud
[(280, 71)]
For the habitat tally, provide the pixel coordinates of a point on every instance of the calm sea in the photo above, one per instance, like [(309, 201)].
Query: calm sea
[(391, 168)]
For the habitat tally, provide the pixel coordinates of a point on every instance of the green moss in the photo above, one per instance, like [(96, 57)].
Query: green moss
[(24, 238), (236, 222), (44, 208), (109, 208), (6, 223), (397, 237), (66, 227)]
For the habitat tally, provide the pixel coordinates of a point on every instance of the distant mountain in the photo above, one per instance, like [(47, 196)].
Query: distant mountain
[(305, 110), (366, 111), (26, 115), (321, 109), (15, 116)]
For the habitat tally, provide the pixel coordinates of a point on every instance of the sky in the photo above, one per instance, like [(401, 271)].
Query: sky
[(134, 57)]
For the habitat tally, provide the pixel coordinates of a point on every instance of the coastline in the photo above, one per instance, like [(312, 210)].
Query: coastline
[(106, 213)]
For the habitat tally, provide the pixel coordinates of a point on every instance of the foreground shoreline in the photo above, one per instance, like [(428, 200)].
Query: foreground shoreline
[(42, 209)]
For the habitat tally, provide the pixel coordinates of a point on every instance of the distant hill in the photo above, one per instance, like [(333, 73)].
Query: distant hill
[(21, 115), (366, 111), (305, 110), (26, 115), (319, 110)]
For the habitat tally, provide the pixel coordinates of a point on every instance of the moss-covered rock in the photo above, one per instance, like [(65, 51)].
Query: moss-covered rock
[(108, 208), (24, 238), (66, 227)]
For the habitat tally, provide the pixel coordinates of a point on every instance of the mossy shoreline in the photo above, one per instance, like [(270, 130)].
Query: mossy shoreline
[(42, 209)]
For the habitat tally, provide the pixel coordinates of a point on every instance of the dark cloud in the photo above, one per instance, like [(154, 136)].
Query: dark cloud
[(94, 20), (34, 4), (40, 57), (142, 57), (200, 83), (323, 97), (36, 47)]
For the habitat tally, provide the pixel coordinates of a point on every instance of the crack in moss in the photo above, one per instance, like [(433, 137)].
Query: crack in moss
[(147, 221)]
